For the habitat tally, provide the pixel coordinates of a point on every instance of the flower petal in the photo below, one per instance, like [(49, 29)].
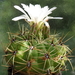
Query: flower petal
[(47, 24), (19, 18), (29, 10), (46, 18), (38, 6), (43, 13), (55, 18), (26, 8), (19, 8), (53, 8), (50, 11)]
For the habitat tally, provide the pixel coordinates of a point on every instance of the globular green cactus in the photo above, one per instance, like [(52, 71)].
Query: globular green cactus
[(29, 55), (35, 51)]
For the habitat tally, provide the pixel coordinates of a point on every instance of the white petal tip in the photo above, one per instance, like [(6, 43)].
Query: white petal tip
[(22, 4), (14, 19), (47, 24), (57, 18), (15, 6), (55, 7), (60, 17)]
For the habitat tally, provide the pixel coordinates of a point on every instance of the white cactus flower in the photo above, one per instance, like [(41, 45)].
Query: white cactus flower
[(35, 14)]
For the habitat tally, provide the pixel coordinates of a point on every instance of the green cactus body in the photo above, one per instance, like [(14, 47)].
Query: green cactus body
[(36, 56)]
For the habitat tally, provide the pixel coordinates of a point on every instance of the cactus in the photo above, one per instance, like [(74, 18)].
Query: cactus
[(35, 51), (28, 54)]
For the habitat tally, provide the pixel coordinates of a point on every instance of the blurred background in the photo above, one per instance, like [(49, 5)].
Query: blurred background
[(64, 27)]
